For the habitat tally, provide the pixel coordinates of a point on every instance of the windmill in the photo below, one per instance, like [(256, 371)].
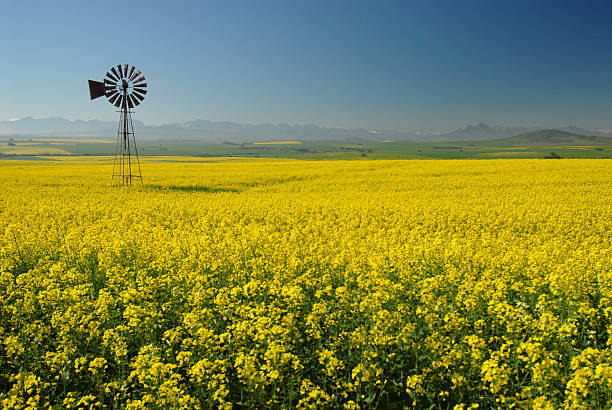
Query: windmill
[(124, 87)]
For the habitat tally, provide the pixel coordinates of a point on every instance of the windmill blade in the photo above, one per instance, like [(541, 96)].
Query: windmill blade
[(131, 71), (139, 80), (136, 74), (141, 85), (125, 67), (140, 97), (110, 82), (119, 68), (140, 90), (113, 98), (112, 77), (111, 94), (130, 103), (118, 102), (96, 89), (115, 72), (134, 100)]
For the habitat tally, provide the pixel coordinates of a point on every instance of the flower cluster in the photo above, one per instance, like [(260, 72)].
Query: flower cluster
[(465, 284)]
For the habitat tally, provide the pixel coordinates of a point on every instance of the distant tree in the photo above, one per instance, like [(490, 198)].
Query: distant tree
[(553, 155)]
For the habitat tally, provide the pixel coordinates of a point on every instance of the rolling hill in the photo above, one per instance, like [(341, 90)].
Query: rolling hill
[(479, 132), (552, 138)]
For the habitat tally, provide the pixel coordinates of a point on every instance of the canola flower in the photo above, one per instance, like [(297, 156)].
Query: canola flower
[(339, 284)]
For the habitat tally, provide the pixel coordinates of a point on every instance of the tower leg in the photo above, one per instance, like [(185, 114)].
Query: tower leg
[(125, 149)]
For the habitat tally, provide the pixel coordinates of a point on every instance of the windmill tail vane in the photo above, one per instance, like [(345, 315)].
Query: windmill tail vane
[(124, 87)]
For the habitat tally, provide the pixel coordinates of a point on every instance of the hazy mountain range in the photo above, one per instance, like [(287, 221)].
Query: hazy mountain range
[(211, 130)]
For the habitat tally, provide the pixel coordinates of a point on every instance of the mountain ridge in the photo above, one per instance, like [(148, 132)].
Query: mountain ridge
[(56, 126), (480, 132), (555, 137), (221, 130)]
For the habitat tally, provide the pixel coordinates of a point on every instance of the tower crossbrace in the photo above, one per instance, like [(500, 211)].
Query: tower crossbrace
[(126, 165)]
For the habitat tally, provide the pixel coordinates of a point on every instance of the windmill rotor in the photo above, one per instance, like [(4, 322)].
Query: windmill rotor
[(123, 86)]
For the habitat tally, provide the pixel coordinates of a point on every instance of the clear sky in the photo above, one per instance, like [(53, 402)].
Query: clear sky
[(403, 65)]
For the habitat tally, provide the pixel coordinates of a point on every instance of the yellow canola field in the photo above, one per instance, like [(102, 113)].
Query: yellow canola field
[(365, 284), (28, 149)]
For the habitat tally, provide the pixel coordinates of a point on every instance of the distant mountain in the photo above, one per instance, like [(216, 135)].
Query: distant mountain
[(480, 132), (46, 127), (202, 129), (553, 138), (223, 130), (583, 131)]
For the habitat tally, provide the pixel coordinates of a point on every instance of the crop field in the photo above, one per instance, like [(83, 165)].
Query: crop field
[(313, 284), (565, 146)]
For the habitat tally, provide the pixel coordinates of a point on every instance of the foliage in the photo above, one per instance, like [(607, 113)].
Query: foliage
[(451, 284)]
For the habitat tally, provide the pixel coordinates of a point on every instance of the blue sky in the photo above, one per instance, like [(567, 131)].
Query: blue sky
[(403, 65)]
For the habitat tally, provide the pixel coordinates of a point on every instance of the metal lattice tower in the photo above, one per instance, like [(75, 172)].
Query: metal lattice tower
[(125, 90)]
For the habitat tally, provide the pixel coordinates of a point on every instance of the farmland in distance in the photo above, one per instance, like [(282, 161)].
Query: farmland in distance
[(538, 144)]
